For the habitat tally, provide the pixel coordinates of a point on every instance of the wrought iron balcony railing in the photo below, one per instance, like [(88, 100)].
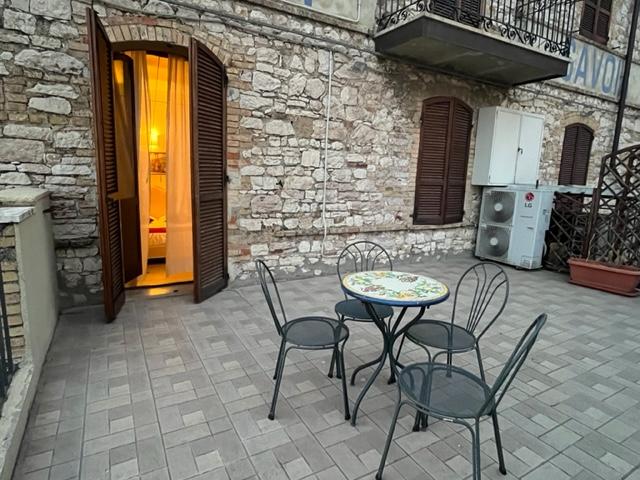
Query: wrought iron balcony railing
[(542, 24)]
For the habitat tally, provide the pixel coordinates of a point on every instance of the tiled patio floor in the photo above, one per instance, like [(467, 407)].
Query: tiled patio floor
[(177, 390)]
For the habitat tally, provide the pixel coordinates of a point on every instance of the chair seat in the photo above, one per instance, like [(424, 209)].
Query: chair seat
[(460, 395), (434, 333), (353, 309), (315, 331)]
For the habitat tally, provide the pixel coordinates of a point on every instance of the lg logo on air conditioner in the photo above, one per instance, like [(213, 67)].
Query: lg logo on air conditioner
[(528, 200)]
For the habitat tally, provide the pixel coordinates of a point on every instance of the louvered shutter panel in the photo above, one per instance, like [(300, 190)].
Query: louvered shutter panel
[(602, 25), (101, 57), (432, 162), (588, 20), (583, 152), (445, 8), (459, 137), (576, 150), (208, 147), (568, 154), (470, 12)]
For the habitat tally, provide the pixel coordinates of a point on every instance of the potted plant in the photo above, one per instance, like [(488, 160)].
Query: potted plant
[(612, 248), (621, 279)]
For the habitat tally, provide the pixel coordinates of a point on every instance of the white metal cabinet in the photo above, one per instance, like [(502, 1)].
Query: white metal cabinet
[(508, 147)]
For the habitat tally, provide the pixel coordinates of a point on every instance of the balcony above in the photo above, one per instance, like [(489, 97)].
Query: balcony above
[(501, 42)]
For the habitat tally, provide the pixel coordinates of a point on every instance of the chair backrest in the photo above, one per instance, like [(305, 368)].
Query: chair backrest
[(511, 368), (481, 296), (362, 256), (270, 290)]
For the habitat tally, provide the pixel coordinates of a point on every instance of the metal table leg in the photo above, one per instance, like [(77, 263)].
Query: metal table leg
[(387, 334), (372, 378)]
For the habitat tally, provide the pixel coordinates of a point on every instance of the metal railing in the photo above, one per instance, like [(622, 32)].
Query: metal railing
[(543, 24), (7, 367)]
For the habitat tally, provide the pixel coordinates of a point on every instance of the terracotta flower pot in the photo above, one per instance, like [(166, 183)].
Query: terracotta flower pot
[(618, 279)]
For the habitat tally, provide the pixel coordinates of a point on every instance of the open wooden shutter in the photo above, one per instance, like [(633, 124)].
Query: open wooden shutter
[(106, 168), (596, 15), (442, 161), (127, 151), (576, 150), (208, 154)]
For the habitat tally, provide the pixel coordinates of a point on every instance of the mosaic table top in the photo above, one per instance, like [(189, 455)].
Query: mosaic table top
[(395, 288)]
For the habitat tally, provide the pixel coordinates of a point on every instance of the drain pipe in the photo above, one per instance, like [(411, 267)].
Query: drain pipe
[(326, 153), (622, 104)]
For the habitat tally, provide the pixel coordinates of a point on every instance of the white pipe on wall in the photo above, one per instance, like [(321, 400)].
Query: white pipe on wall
[(326, 154)]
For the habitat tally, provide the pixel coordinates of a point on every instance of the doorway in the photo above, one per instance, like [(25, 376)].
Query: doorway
[(161, 169), (151, 91)]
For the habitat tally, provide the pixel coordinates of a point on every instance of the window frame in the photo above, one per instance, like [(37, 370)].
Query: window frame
[(590, 131), (598, 10)]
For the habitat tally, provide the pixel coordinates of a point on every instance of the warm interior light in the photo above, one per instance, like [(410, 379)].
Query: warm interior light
[(118, 72), (154, 136)]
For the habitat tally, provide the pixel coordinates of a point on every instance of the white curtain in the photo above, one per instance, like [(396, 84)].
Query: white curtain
[(179, 257), (143, 121)]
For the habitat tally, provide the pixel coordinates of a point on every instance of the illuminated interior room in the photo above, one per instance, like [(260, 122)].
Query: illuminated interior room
[(158, 111)]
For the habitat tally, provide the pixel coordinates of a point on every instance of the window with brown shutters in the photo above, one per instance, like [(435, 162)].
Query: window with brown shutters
[(576, 150), (443, 157), (594, 23)]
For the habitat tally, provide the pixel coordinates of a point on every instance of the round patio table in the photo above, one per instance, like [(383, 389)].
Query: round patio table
[(396, 289)]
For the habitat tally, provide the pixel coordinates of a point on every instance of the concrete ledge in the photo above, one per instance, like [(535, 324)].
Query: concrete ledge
[(14, 214), (21, 196), (15, 413)]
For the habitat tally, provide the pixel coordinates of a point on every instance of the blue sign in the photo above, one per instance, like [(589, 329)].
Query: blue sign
[(594, 69)]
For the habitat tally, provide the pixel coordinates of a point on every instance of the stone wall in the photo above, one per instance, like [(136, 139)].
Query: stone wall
[(11, 287), (277, 99)]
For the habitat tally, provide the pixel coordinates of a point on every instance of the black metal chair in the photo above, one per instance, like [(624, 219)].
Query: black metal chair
[(489, 287), (304, 333), (456, 395), (358, 257)]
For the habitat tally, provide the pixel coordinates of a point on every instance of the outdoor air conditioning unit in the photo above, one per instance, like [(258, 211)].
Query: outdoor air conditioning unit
[(513, 221)]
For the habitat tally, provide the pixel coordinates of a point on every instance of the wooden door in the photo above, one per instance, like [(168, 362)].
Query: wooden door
[(208, 171), (101, 57), (126, 150)]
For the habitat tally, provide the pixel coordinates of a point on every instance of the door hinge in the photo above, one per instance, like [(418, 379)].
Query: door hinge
[(227, 178), (226, 79), (226, 276)]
